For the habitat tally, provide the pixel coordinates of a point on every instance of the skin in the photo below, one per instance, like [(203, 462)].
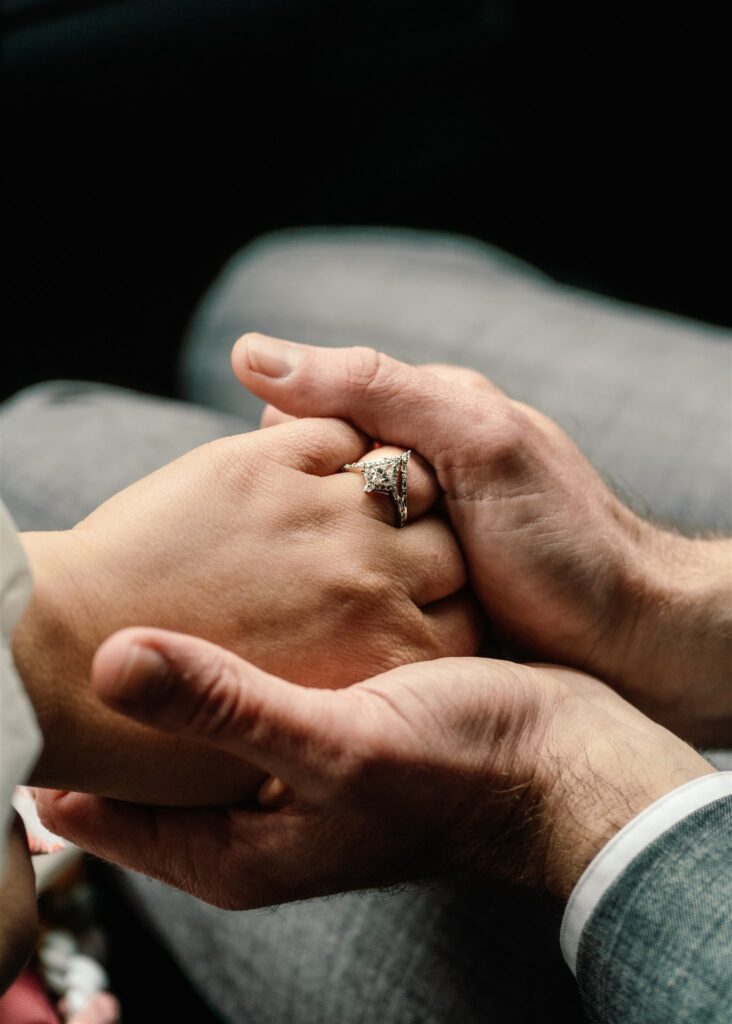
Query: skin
[(19, 907), (470, 765), (565, 570), (515, 771), (258, 543)]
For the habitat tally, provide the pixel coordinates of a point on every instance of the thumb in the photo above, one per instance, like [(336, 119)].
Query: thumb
[(391, 401), (181, 684)]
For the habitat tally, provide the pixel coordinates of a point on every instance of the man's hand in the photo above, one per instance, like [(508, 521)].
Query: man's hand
[(567, 572), (259, 543), (473, 765)]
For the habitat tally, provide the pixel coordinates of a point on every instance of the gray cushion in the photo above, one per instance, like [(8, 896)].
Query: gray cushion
[(67, 446)]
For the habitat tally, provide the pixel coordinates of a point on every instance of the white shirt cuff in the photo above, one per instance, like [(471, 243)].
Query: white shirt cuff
[(625, 846)]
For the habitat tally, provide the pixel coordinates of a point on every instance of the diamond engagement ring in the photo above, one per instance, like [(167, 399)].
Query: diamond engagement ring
[(386, 476)]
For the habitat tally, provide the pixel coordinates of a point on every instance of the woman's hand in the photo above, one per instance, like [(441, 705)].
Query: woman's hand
[(256, 542), (566, 571), (509, 771)]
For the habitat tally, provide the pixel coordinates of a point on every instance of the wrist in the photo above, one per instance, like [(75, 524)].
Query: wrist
[(87, 746), (596, 804), (674, 657), (596, 762), (48, 645)]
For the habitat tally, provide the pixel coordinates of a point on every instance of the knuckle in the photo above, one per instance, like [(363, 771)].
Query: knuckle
[(501, 445), (447, 566), (539, 419), (403, 638), (357, 590), (365, 370), (429, 644), (462, 375), (349, 765), (234, 464), (303, 442), (509, 450), (470, 376), (376, 588)]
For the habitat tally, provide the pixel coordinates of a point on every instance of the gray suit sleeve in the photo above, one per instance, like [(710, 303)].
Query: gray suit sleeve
[(658, 947)]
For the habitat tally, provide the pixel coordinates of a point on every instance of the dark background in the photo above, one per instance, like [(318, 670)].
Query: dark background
[(146, 140)]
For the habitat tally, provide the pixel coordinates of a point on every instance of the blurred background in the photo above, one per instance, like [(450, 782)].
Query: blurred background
[(147, 140)]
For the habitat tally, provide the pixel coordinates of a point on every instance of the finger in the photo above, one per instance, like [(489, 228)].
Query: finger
[(233, 858), (225, 856), (422, 488), (463, 376), (457, 625), (272, 417), (184, 685), (147, 839), (429, 560), (317, 446), (399, 404)]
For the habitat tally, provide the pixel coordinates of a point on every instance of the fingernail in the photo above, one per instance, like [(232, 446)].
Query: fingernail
[(270, 356), (274, 794), (144, 672)]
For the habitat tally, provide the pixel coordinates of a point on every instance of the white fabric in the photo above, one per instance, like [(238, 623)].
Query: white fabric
[(20, 737), (625, 846)]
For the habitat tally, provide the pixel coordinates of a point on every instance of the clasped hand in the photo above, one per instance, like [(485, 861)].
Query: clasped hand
[(510, 770), (256, 542)]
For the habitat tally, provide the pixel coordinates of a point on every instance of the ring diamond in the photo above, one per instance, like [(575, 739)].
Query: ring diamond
[(386, 476)]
